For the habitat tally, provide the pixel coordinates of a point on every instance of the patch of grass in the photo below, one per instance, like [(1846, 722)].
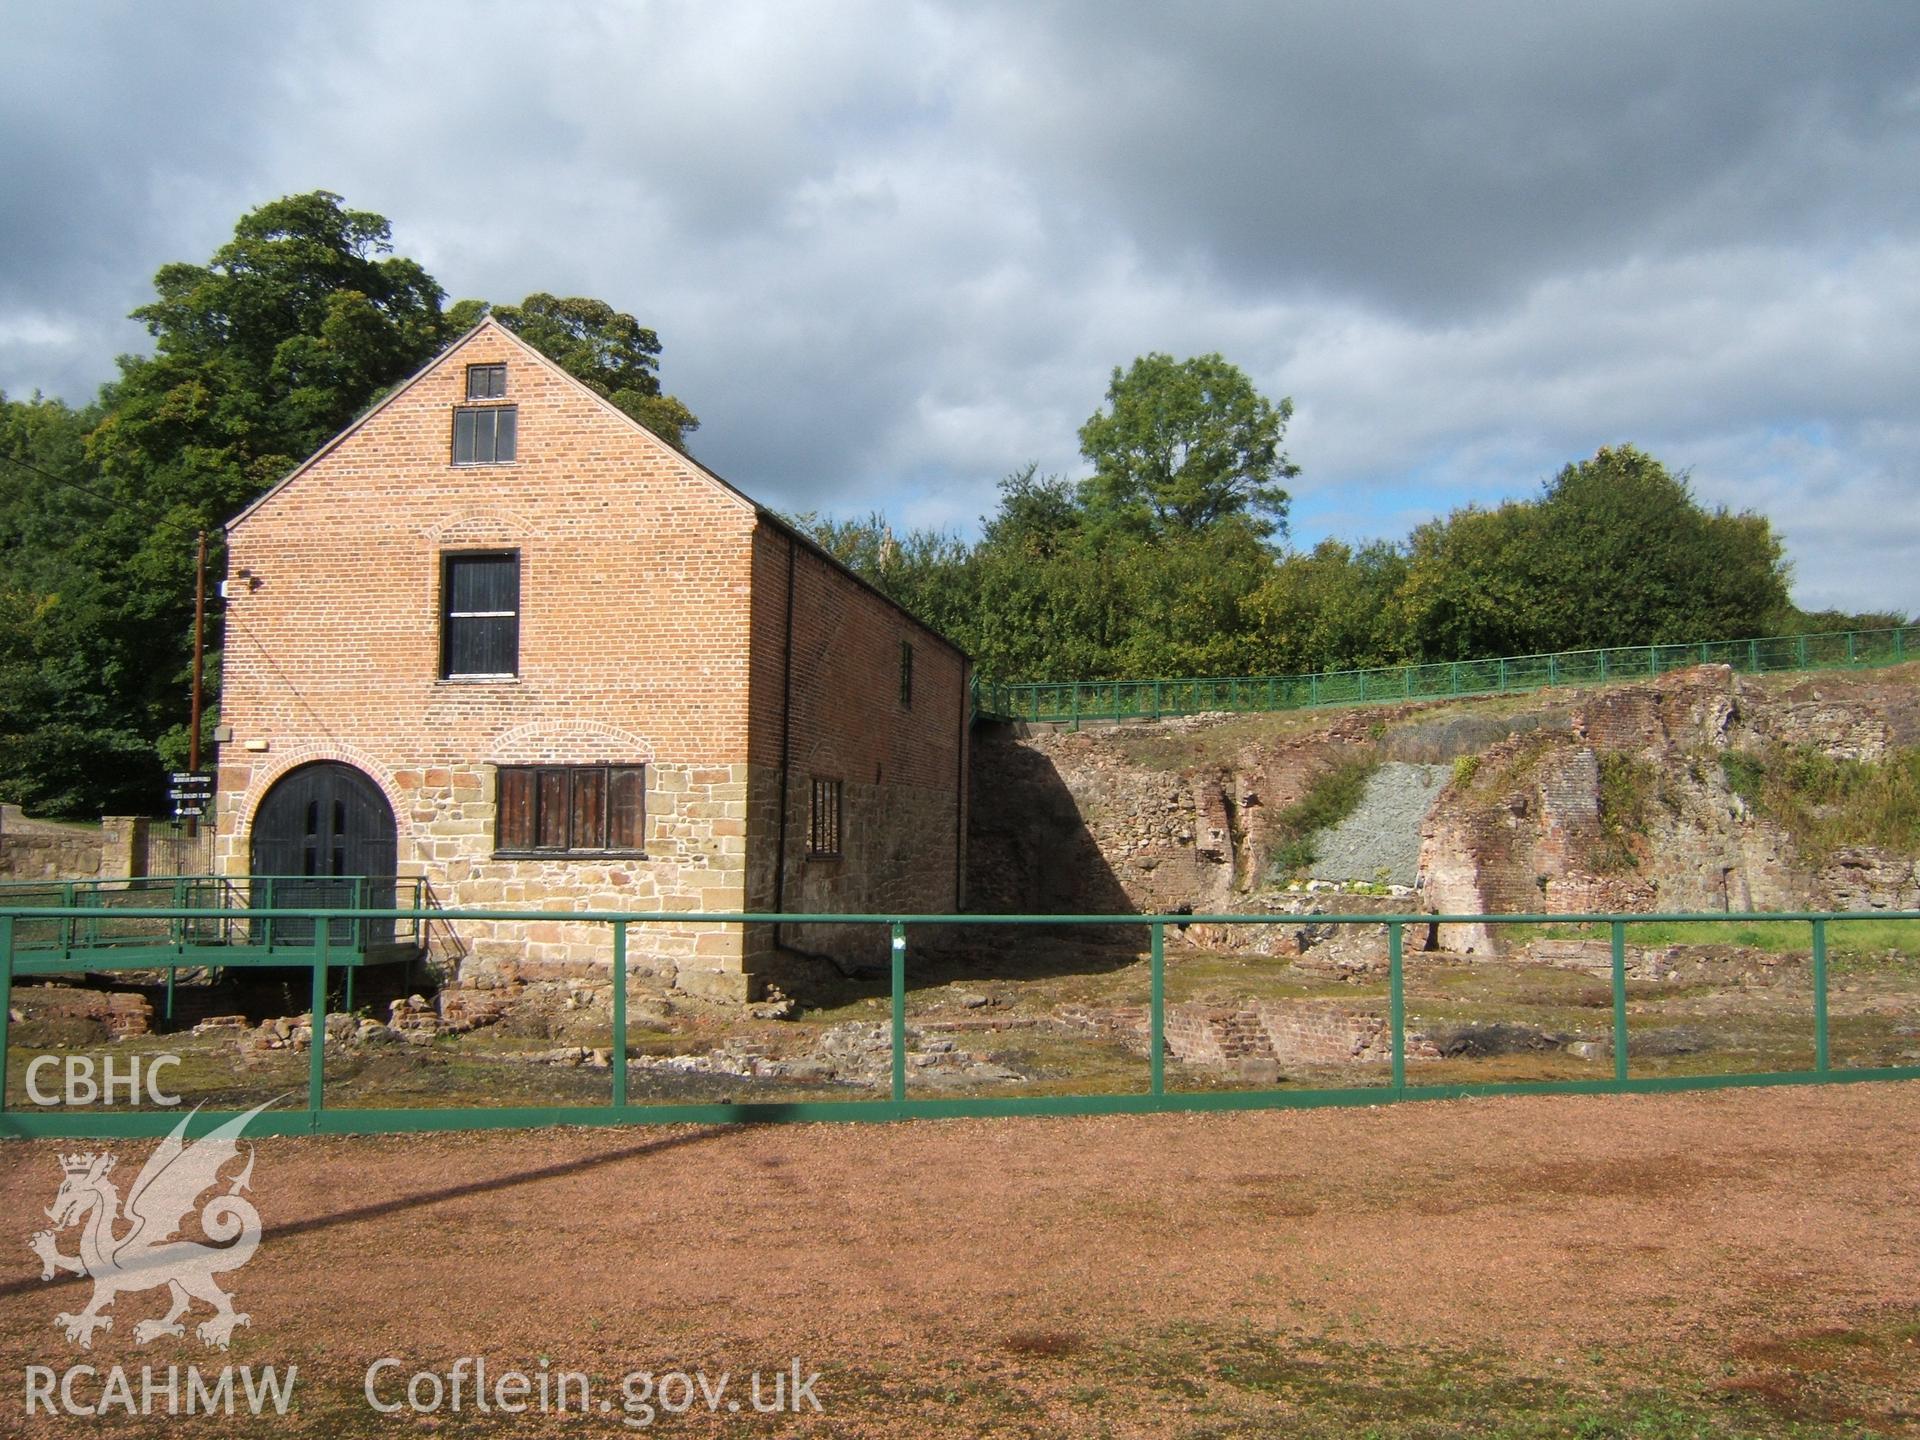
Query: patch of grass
[(1825, 802), (1331, 798), (1325, 1387)]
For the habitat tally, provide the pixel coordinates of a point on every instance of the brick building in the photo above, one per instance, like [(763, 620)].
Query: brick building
[(498, 635)]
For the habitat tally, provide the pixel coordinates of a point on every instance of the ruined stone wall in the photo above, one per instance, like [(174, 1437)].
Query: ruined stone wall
[(1182, 813), (50, 855), (1068, 822)]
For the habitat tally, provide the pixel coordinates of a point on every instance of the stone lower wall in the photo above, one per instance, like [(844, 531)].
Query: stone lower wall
[(46, 855), (695, 861)]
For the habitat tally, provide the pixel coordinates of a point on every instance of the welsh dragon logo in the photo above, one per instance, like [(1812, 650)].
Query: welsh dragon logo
[(145, 1255)]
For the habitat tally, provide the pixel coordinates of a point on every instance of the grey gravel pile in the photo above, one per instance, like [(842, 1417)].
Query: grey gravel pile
[(1383, 832)]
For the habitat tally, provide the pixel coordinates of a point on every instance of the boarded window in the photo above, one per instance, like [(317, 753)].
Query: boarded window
[(480, 615), (485, 436), (571, 809), (627, 808), (823, 819), (517, 809), (486, 382)]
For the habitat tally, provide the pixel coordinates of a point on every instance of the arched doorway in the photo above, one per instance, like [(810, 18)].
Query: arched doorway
[(324, 835)]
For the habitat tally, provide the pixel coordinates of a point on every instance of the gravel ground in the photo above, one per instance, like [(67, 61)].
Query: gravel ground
[(1009, 1276), (1383, 832)]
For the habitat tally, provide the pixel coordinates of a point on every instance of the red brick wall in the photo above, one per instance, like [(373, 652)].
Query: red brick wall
[(654, 628), (901, 766), (634, 578)]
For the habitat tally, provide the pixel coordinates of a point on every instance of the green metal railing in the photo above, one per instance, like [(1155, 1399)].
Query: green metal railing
[(152, 919), (322, 957), (1073, 701)]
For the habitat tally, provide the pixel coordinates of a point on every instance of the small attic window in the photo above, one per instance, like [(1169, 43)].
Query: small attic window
[(486, 382)]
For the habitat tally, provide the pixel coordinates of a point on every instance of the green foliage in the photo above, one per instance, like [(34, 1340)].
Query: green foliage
[(1627, 784), (293, 327), (1333, 796), (1825, 802), (1100, 581), (1632, 559), (1183, 445), (1616, 551), (1335, 608), (610, 351), (1465, 767)]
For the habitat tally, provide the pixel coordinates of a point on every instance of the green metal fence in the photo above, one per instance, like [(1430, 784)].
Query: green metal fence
[(1152, 1091), (1073, 701), (150, 920)]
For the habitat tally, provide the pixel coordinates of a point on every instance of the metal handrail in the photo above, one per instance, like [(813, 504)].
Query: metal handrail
[(1071, 701), (322, 956)]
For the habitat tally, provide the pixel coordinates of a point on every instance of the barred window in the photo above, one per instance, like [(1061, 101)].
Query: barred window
[(571, 809), (823, 819), (906, 673)]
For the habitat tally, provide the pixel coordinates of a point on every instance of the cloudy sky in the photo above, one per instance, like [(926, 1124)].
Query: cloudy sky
[(894, 250)]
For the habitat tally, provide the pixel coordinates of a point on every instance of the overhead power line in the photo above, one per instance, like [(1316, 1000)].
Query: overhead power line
[(191, 532)]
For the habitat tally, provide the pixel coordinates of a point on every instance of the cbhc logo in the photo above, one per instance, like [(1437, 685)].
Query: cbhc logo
[(81, 1087)]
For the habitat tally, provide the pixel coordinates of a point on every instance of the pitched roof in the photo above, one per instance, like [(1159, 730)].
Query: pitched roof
[(694, 468)]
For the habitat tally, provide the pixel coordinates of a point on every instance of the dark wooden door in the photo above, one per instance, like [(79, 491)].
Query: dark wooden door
[(324, 838)]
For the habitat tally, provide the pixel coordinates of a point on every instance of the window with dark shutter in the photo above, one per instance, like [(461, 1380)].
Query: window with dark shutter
[(571, 810), (487, 435), (823, 819), (480, 616)]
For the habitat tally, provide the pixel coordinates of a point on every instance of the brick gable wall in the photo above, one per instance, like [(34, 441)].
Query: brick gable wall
[(634, 574), (653, 630)]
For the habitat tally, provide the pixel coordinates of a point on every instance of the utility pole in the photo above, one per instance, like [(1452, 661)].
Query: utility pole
[(199, 653)]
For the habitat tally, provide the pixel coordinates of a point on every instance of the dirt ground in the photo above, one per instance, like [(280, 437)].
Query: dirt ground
[(1743, 1262)]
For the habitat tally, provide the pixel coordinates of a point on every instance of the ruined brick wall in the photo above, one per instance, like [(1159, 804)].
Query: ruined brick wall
[(1281, 1032), (1525, 836), (828, 706), (634, 642)]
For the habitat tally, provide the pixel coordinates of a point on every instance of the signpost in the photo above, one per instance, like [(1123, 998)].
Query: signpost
[(191, 793)]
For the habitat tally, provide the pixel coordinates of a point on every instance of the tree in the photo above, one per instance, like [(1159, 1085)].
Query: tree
[(606, 349), (1335, 608), (1184, 445), (1473, 585), (1633, 559), (263, 353)]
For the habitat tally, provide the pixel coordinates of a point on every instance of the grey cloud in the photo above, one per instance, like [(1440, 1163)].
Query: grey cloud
[(893, 251)]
